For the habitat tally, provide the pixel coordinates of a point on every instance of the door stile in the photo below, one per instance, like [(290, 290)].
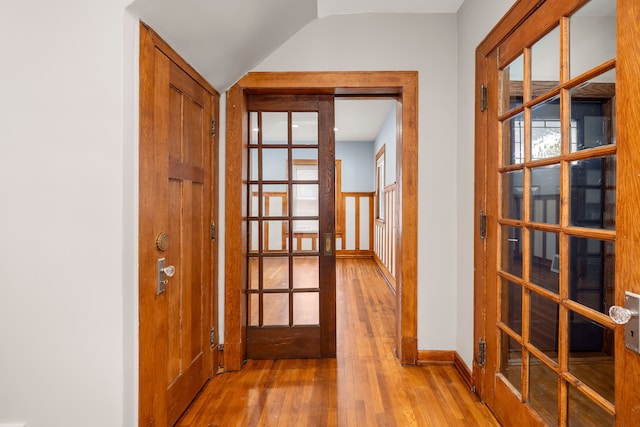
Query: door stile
[(326, 161), (480, 230)]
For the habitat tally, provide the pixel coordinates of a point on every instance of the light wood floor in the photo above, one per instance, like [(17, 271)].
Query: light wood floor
[(363, 386)]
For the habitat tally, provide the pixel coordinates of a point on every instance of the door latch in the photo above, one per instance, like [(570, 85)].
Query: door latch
[(163, 273)]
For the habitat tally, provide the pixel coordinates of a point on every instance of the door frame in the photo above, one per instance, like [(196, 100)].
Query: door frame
[(401, 85)]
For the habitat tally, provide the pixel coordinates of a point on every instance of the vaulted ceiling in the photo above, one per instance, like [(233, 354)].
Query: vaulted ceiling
[(225, 39)]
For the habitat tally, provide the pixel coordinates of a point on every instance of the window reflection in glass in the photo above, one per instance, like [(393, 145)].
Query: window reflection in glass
[(513, 140), (545, 129), (543, 391), (593, 193), (593, 109), (512, 305), (544, 325), (589, 48), (512, 250), (545, 63), (592, 272), (545, 194), (511, 361), (545, 260), (591, 350), (512, 205), (511, 78)]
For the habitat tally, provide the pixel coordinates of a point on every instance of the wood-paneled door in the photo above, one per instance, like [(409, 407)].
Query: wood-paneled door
[(557, 177), (178, 193), (291, 254)]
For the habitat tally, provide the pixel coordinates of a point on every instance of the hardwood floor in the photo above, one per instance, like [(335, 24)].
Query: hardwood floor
[(364, 385)]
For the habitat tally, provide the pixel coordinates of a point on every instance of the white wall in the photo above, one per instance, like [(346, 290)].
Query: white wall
[(475, 20), (358, 165), (62, 336), (426, 43)]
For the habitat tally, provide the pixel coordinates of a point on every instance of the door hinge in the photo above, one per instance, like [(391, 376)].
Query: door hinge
[(482, 352), (213, 128), (483, 225), (212, 337), (483, 97), (212, 232)]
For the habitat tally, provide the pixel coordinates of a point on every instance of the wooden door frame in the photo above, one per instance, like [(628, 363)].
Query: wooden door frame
[(403, 86), (152, 396)]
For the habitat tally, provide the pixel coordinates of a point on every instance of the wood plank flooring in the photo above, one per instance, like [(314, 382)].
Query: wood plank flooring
[(364, 385)]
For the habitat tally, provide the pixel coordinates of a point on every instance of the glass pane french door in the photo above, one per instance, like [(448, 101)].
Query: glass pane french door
[(290, 255), (556, 220)]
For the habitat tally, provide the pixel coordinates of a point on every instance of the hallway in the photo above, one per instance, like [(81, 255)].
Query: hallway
[(364, 386)]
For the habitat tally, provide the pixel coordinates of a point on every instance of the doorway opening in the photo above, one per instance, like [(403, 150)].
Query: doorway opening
[(400, 85)]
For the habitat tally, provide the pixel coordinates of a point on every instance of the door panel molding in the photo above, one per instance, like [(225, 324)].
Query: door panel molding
[(160, 67), (403, 85)]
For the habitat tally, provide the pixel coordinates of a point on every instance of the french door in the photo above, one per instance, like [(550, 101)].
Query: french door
[(290, 194), (556, 182)]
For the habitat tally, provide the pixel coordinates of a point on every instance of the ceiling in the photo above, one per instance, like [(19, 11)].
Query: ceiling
[(225, 39)]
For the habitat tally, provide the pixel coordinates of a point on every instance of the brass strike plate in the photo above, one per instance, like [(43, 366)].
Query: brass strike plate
[(162, 242)]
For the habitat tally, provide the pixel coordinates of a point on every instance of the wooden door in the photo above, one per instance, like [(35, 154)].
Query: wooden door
[(557, 179), (290, 225), (177, 209)]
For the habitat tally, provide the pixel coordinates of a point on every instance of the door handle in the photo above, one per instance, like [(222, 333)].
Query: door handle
[(163, 273), (628, 316), (328, 243)]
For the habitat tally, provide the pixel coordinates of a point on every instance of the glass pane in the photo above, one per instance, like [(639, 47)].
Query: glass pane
[(306, 308), (545, 261), (543, 390), (592, 272), (512, 305), (545, 129), (512, 194), (513, 140), (593, 110), (274, 164), (593, 193), (253, 309), (275, 272), (544, 325), (254, 206), (274, 200), (304, 128), (275, 128), (305, 200), (305, 162), (591, 355), (511, 361), (589, 48), (306, 272), (254, 273), (511, 85), (275, 309), (254, 237), (512, 250), (253, 164), (583, 412), (274, 236), (254, 126), (305, 235), (545, 194), (545, 63)]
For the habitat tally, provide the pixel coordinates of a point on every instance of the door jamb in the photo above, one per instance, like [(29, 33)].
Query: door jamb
[(402, 85)]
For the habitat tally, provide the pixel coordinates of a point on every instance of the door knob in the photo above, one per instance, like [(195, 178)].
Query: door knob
[(621, 315), (163, 273), (169, 270)]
